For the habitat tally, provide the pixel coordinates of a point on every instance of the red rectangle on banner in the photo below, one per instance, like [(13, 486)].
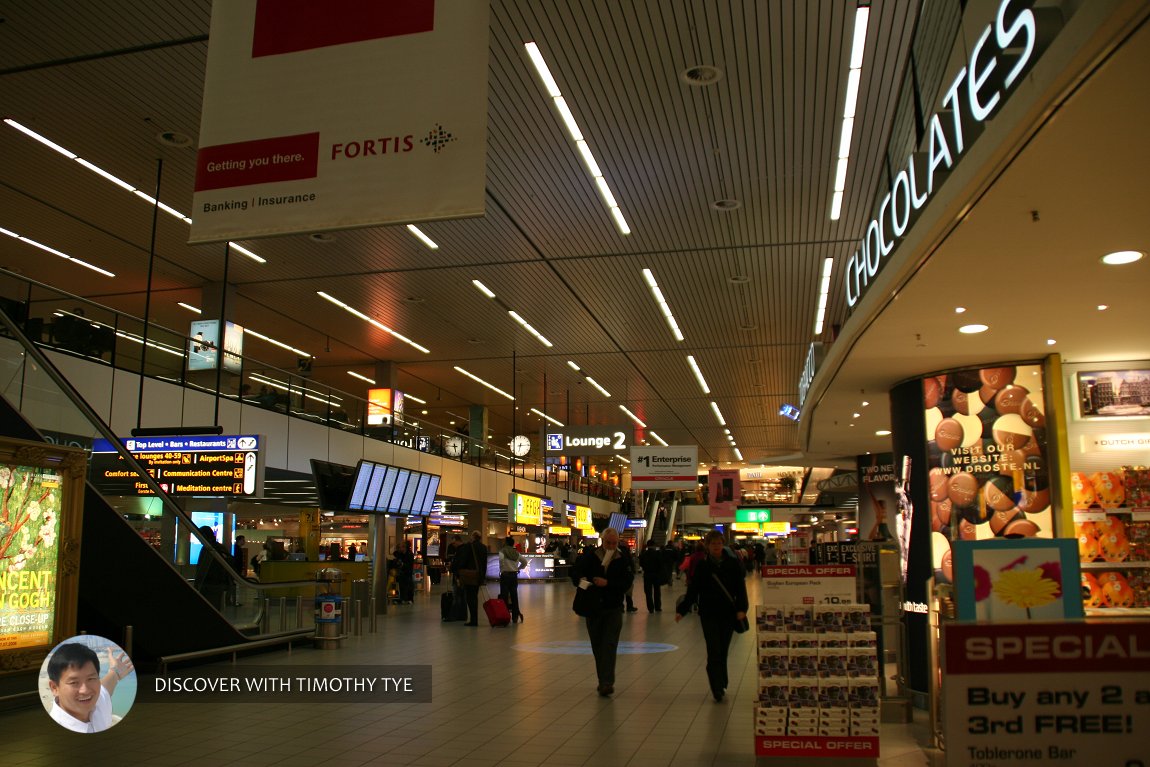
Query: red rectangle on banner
[(1047, 648), (287, 26), (816, 746), (283, 158)]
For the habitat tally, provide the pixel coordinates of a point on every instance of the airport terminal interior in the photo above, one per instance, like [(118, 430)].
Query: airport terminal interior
[(294, 299)]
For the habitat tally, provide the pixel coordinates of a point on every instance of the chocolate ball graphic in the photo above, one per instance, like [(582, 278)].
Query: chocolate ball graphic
[(966, 380), (931, 392), (1020, 528), (1010, 399), (1010, 461), (948, 566), (1011, 432), (962, 489), (999, 519), (939, 485), (1032, 414), (967, 531), (948, 434), (1033, 501), (971, 428), (997, 378), (998, 493), (986, 394), (966, 404)]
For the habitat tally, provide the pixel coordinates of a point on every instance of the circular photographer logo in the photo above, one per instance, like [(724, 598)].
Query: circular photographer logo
[(87, 684)]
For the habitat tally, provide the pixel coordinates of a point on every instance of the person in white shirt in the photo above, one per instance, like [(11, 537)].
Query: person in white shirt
[(82, 700)]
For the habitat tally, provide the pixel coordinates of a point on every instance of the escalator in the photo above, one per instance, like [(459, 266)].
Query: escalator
[(124, 580)]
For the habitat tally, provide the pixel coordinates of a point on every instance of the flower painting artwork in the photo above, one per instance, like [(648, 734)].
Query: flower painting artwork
[(1015, 581), (30, 501)]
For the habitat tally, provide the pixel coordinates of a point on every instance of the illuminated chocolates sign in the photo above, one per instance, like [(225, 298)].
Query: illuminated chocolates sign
[(1003, 51)]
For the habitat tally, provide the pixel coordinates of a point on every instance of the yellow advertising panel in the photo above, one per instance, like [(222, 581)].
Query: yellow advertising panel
[(528, 509), (378, 407), (775, 528), (583, 517), (559, 530)]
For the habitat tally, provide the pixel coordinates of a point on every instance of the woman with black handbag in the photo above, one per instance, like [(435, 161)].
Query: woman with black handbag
[(720, 592)]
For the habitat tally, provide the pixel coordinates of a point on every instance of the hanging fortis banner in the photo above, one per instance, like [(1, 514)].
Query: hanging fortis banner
[(323, 116)]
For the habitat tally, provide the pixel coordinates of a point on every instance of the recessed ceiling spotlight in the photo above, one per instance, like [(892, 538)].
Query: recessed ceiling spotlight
[(324, 238), (475, 341), (1122, 257), (974, 328), (959, 309), (749, 326), (738, 279), (1050, 342), (1102, 307), (724, 206), (701, 75), (413, 300), (856, 415), (882, 433), (174, 138), (865, 403)]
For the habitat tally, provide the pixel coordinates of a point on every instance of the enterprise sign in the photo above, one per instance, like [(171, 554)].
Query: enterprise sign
[(588, 440), (1000, 56), (673, 468), (211, 465)]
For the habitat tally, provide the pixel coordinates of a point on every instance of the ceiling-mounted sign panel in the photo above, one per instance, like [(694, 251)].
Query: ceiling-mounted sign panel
[(588, 440), (321, 116), (665, 468), (1003, 50), (228, 465)]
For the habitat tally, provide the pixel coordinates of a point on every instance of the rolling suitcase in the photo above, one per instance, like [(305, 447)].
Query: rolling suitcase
[(447, 607), (497, 612)]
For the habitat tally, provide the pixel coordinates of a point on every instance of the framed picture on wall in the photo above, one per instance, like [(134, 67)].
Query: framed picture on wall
[(1114, 394)]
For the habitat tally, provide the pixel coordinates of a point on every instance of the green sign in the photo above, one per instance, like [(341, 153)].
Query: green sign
[(752, 515)]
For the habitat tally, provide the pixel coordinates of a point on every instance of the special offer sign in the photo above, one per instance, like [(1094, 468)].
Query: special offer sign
[(1056, 694), (321, 116)]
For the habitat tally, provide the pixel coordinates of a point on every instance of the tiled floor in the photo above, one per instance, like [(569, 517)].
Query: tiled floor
[(494, 703)]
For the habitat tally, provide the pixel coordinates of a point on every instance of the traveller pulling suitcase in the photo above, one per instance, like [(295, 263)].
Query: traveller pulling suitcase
[(496, 609)]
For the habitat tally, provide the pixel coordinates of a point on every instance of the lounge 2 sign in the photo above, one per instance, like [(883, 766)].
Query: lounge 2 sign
[(999, 58), (588, 440)]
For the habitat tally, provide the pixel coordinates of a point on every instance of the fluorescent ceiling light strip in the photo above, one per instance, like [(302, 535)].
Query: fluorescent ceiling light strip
[(418, 233), (101, 172), (633, 417), (719, 415), (33, 134), (529, 328), (824, 290), (657, 438), (698, 374), (739, 453), (572, 365), (353, 374), (483, 288), (595, 383), (247, 252), (153, 201), (624, 460), (850, 103), (476, 378), (663, 305), (281, 344), (55, 252), (365, 318), (414, 398), (541, 414), (189, 307), (576, 134)]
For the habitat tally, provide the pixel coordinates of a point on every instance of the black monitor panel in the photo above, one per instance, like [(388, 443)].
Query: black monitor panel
[(427, 500), (386, 489), (409, 492), (359, 488), (401, 482), (372, 496), (334, 483)]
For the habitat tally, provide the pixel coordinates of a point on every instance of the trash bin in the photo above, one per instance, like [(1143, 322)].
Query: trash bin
[(328, 608)]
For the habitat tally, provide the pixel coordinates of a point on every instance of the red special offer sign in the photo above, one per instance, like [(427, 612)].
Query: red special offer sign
[(1055, 694)]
